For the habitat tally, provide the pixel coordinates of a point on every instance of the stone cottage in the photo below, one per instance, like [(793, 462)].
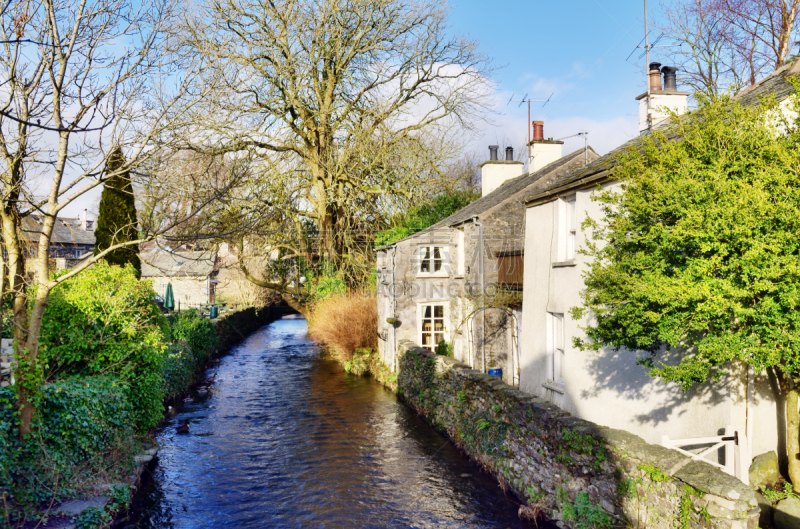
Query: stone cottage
[(192, 274), (460, 280), (72, 238), (610, 389)]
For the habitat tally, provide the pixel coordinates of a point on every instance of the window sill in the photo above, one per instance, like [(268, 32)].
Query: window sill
[(558, 388), (432, 276), (564, 264)]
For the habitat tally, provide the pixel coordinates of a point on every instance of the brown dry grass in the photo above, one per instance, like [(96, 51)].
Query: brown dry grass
[(345, 324)]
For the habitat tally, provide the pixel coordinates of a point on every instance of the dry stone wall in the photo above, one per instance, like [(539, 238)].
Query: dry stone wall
[(566, 469)]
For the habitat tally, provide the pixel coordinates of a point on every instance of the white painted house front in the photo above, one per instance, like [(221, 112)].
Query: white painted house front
[(609, 388)]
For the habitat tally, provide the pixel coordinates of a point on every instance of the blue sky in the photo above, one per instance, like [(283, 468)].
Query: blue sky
[(576, 49)]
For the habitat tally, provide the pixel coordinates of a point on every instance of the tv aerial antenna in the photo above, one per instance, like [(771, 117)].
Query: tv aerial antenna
[(585, 135), (526, 99), (645, 43)]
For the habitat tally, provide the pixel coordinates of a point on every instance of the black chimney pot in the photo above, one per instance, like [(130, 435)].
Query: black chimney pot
[(670, 80), (493, 152), (655, 65), (509, 154)]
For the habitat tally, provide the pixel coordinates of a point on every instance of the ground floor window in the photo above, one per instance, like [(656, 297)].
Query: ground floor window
[(432, 325)]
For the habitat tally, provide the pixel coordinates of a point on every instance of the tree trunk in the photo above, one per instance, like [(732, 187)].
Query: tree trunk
[(297, 305), (793, 430)]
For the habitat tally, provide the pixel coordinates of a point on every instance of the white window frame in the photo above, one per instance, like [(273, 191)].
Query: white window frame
[(429, 251), (433, 332), (556, 350)]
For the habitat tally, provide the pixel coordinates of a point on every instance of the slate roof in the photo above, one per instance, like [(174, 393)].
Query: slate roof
[(65, 231), (506, 191), (775, 85), (177, 264)]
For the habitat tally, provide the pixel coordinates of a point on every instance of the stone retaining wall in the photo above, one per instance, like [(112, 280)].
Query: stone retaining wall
[(572, 471), (233, 327)]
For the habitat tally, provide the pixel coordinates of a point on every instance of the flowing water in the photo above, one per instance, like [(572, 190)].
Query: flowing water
[(287, 439)]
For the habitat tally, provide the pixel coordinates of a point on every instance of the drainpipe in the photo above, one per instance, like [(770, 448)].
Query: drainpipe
[(750, 425), (394, 313), (482, 273)]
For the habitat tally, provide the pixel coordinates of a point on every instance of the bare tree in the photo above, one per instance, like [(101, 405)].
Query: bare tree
[(342, 107), (729, 44), (78, 79)]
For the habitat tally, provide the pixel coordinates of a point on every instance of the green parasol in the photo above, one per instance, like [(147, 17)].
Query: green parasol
[(169, 299)]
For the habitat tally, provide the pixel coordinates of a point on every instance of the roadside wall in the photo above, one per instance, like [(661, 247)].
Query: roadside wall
[(567, 469), (235, 326)]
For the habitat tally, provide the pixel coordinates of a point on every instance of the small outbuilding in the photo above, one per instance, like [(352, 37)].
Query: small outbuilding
[(192, 274)]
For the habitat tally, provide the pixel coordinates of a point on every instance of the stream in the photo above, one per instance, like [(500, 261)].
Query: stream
[(285, 438)]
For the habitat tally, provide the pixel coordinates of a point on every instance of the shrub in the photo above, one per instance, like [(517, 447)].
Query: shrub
[(198, 332), (104, 321), (345, 324), (82, 425), (180, 365)]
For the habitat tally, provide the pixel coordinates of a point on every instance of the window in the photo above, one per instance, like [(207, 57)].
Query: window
[(571, 227), (556, 346), (432, 326), (510, 270), (431, 260)]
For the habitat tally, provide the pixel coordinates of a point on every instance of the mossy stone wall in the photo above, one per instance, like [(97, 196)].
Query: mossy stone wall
[(572, 471)]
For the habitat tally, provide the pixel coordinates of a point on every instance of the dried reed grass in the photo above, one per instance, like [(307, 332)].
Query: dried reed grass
[(345, 324)]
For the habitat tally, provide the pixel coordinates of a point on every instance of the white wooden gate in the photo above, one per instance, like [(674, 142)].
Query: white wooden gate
[(737, 458)]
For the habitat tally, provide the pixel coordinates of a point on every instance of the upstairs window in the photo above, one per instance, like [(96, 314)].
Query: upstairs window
[(510, 269), (431, 260), (432, 326)]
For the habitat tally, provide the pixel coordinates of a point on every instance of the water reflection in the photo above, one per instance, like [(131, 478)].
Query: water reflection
[(286, 439)]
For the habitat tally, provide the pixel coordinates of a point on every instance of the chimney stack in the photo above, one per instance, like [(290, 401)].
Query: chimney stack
[(662, 100), (538, 130), (495, 172), (655, 76), (670, 78), (542, 151)]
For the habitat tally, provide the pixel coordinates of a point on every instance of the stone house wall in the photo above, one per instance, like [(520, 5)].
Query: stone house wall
[(192, 290), (458, 288), (566, 469)]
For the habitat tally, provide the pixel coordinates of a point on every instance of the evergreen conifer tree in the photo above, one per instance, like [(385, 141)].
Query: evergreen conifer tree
[(117, 220)]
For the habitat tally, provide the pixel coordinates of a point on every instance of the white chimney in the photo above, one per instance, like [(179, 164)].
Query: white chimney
[(542, 151), (494, 172), (662, 100)]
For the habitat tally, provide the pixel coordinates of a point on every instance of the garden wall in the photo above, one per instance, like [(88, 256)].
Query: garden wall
[(572, 471), (235, 326)]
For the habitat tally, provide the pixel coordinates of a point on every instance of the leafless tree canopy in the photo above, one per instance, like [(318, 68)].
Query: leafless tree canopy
[(729, 44), (343, 109)]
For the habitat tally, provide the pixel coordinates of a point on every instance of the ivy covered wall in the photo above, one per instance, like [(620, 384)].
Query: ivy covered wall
[(565, 469)]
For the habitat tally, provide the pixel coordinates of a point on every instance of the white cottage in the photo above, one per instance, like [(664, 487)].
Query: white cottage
[(609, 388)]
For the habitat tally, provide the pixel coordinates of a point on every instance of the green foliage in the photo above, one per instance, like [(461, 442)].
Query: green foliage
[(700, 251), (104, 321), (653, 473), (82, 427), (194, 329), (776, 494), (461, 396), (91, 518), (116, 222), (444, 349), (427, 215), (584, 513)]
